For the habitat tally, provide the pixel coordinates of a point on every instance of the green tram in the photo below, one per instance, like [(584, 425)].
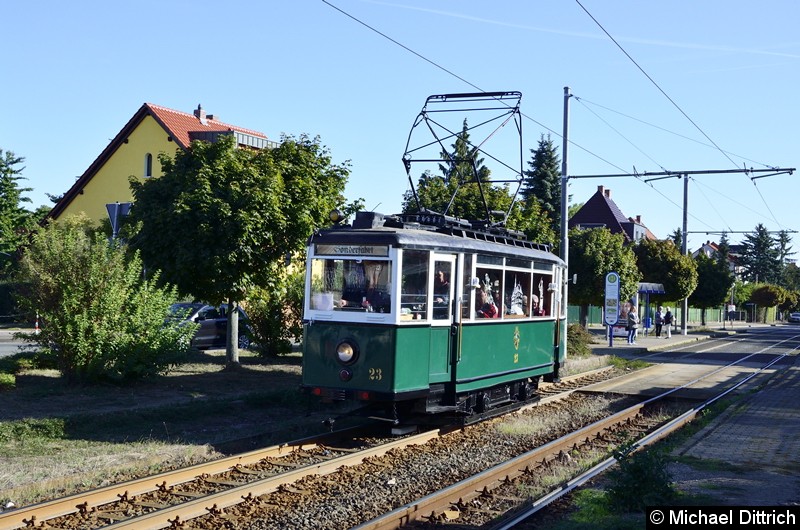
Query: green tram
[(423, 315)]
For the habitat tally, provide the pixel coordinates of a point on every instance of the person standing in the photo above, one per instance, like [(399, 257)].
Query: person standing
[(441, 287), (633, 324), (668, 323), (659, 320)]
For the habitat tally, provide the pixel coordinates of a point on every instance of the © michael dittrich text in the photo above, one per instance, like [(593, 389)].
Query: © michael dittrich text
[(745, 516)]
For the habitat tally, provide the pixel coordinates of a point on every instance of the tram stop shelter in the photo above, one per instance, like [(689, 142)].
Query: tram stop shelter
[(646, 289)]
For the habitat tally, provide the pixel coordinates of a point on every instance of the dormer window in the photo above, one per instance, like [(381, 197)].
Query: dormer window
[(148, 165)]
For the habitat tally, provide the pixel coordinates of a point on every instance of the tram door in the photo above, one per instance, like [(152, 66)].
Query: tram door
[(443, 302)]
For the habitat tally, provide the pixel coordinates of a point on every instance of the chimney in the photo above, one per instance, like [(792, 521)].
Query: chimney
[(603, 191), (200, 114), (638, 219)]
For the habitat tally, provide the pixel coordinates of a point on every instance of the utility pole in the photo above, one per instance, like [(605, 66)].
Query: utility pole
[(685, 250), (565, 196)]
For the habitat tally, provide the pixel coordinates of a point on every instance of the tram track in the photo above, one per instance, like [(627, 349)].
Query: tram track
[(221, 482), (137, 498), (494, 494), (234, 490)]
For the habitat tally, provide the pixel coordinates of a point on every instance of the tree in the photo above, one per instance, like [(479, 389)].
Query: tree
[(456, 192), (760, 258), (573, 209), (714, 281), (14, 219), (723, 254), (100, 319), (677, 238), (594, 253), (790, 302), (220, 216), (784, 250), (791, 277), (542, 182), (661, 262), (767, 295)]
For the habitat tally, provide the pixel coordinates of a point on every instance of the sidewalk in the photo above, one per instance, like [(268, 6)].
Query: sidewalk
[(747, 455), (649, 342)]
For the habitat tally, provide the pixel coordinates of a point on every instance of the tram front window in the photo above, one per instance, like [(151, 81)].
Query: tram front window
[(351, 285)]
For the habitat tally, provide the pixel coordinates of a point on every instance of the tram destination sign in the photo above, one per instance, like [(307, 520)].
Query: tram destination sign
[(352, 250)]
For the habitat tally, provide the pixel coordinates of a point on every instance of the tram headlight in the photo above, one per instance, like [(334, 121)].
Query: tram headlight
[(346, 352)]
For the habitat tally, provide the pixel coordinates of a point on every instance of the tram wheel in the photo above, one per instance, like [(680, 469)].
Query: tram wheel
[(524, 391)]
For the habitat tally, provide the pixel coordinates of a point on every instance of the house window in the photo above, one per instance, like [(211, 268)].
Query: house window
[(148, 165)]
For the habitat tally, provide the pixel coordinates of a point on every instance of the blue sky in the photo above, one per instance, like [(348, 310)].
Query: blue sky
[(683, 86)]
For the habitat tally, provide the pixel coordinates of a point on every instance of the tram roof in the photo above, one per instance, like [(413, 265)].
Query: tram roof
[(435, 238)]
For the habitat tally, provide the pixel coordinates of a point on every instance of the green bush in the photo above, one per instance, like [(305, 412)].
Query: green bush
[(578, 340), (100, 320), (640, 480), (7, 381), (276, 313), (50, 429)]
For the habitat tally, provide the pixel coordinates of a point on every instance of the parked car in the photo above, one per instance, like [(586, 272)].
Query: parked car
[(213, 324), (794, 317)]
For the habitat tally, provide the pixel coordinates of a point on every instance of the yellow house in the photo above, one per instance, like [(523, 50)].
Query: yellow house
[(134, 152)]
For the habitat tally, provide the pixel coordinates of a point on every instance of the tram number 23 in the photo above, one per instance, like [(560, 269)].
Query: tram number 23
[(375, 374)]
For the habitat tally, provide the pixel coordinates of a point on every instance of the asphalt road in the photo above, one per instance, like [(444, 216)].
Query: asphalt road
[(9, 345)]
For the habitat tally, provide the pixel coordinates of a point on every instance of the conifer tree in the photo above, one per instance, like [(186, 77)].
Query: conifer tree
[(543, 180), (761, 257)]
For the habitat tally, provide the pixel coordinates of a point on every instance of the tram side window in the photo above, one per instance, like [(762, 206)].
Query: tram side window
[(442, 289), (488, 297), (467, 288), (517, 294), (541, 296), (414, 282)]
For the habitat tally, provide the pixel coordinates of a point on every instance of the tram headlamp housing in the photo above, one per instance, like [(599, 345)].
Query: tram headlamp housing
[(336, 216), (346, 352)]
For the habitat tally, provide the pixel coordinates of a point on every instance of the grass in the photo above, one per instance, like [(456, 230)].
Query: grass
[(534, 425), (47, 468), (57, 438)]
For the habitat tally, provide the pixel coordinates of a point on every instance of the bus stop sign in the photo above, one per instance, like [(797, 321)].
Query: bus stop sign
[(611, 309)]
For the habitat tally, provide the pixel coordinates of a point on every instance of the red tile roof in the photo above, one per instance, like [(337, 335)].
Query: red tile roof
[(180, 124), (180, 127)]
